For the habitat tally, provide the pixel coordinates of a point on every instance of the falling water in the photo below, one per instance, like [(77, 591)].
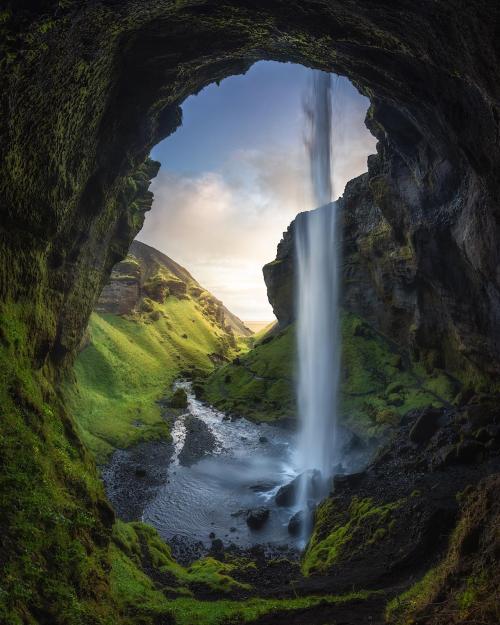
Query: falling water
[(317, 258)]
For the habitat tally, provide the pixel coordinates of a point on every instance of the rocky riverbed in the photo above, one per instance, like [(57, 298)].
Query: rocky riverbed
[(197, 489)]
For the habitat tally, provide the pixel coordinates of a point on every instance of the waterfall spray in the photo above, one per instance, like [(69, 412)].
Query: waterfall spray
[(318, 336)]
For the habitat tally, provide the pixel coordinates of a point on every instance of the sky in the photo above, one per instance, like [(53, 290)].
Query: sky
[(235, 174)]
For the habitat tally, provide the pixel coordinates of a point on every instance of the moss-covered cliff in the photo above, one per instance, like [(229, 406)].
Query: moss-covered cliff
[(379, 384), (87, 89)]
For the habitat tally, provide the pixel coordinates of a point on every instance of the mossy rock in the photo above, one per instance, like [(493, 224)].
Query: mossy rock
[(179, 399)]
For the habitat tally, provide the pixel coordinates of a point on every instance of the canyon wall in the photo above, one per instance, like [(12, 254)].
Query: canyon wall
[(406, 270)]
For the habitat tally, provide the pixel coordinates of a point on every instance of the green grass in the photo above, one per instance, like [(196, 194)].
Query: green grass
[(137, 594), (379, 385), (259, 384), (226, 612), (131, 362)]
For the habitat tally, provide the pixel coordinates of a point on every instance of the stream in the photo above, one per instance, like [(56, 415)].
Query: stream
[(200, 486)]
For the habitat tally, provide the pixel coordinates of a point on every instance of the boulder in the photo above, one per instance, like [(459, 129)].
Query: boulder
[(426, 425), (179, 399), (296, 523), (257, 517), (341, 482), (287, 494)]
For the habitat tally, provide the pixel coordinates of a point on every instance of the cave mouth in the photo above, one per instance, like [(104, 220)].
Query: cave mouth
[(102, 83), (232, 178), (235, 174)]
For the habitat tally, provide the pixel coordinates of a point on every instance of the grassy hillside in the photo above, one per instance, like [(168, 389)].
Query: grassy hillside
[(379, 383), (258, 384), (131, 360)]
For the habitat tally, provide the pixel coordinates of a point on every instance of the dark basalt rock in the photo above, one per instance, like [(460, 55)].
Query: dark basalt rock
[(425, 426), (287, 494), (257, 517), (350, 480), (296, 523)]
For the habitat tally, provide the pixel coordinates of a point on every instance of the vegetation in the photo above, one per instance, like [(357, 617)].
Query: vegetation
[(379, 383), (463, 587), (130, 363), (54, 517), (258, 384), (338, 532)]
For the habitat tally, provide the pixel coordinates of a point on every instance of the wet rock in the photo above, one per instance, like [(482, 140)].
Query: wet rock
[(140, 472), (287, 494), (211, 535), (263, 439), (217, 549), (469, 451), (199, 441), (296, 523), (342, 482), (257, 517), (262, 487), (426, 425), (444, 457)]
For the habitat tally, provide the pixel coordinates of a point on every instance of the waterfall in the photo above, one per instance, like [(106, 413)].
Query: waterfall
[(318, 336)]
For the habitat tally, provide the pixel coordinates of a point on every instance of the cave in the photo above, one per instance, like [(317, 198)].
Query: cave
[(88, 89)]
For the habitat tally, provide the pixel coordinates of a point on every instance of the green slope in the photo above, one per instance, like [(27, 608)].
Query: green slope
[(379, 383), (131, 360)]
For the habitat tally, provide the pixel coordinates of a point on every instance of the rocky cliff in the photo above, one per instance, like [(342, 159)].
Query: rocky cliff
[(147, 273), (87, 89), (397, 278)]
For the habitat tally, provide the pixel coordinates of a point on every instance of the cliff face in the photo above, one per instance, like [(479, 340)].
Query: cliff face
[(102, 83), (147, 273), (404, 272), (88, 87)]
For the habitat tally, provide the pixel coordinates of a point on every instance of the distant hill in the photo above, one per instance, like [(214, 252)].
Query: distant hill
[(152, 324), (148, 273)]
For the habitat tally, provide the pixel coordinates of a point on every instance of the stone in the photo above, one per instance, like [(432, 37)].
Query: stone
[(343, 482), (287, 494), (296, 523), (425, 426), (257, 517), (469, 451), (263, 439)]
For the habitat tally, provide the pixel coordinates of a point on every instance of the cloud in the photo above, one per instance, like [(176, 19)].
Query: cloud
[(223, 226)]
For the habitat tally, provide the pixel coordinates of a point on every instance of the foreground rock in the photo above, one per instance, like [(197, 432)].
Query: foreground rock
[(257, 518), (287, 494), (199, 441), (410, 511)]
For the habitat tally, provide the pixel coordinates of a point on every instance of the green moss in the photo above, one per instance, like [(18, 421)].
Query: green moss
[(54, 517), (338, 534), (258, 384), (193, 612), (463, 586), (380, 384)]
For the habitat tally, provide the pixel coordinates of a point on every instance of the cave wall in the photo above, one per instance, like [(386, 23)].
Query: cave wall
[(88, 87), (404, 274)]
